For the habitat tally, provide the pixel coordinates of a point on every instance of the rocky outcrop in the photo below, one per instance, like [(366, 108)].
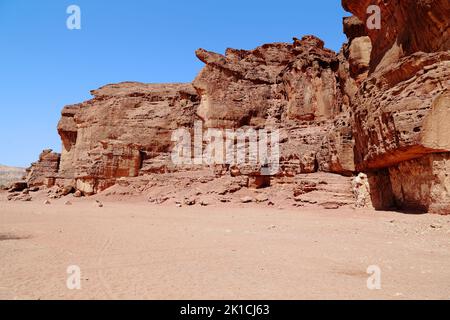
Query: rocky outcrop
[(407, 27), (45, 170), (123, 131), (380, 107), (10, 174), (401, 111)]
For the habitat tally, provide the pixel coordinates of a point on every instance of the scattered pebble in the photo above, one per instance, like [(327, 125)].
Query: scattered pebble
[(189, 202), (246, 199), (204, 203), (261, 198)]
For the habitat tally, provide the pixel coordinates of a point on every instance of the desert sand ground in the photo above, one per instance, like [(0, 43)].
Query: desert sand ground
[(143, 251)]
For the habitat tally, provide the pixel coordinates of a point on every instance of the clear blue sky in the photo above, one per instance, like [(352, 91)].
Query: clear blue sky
[(45, 66)]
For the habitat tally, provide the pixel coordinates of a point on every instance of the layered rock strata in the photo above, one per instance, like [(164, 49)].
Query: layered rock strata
[(377, 110), (44, 171), (401, 112)]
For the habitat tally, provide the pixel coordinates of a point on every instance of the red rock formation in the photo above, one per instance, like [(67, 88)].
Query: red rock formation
[(401, 112), (291, 87), (44, 171), (125, 130), (380, 106)]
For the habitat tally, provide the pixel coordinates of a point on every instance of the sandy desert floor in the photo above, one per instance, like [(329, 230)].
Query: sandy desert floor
[(141, 251)]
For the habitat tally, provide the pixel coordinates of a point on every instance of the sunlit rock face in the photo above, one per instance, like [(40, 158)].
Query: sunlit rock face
[(407, 26), (44, 171), (401, 112)]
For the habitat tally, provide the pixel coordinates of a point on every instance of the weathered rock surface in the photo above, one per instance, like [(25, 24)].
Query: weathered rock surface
[(407, 26), (423, 184), (401, 111), (44, 171), (294, 88), (18, 186), (323, 189), (10, 174), (123, 131), (381, 106)]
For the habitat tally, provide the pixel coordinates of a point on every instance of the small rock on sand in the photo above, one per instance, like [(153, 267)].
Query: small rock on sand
[(246, 199)]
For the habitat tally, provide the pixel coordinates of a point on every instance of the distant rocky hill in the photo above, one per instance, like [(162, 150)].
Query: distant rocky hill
[(10, 174)]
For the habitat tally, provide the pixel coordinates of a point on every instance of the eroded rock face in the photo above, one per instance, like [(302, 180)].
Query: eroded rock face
[(294, 88), (125, 129), (401, 110), (399, 114), (356, 53), (44, 171), (423, 184), (267, 85), (10, 174), (407, 26)]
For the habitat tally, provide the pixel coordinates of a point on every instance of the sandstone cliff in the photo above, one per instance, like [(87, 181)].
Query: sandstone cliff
[(125, 130), (379, 107), (10, 174), (401, 111)]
